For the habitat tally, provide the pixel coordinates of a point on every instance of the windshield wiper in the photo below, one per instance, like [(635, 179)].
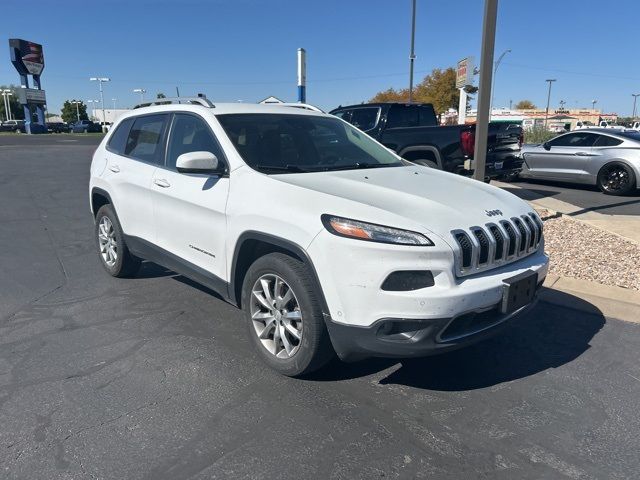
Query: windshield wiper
[(282, 168), (359, 165)]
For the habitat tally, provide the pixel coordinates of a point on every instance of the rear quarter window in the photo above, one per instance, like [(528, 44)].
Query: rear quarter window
[(118, 139)]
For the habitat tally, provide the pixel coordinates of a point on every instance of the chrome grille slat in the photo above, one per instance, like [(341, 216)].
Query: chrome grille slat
[(495, 244)]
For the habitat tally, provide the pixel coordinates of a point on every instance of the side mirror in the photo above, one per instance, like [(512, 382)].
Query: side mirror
[(546, 146), (197, 162)]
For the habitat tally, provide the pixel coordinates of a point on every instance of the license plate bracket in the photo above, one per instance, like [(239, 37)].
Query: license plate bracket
[(518, 291)]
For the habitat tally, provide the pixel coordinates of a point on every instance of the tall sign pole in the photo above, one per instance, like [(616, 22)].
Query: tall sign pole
[(302, 75), (546, 112), (484, 90), (412, 54), (464, 77), (28, 59)]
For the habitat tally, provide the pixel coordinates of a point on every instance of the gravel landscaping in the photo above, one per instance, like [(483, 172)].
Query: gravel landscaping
[(579, 250)]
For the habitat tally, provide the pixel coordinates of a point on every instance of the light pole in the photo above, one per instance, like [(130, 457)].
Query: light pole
[(6, 93), (412, 55), (635, 97), (96, 102), (593, 104), (141, 91), (546, 113), (77, 104), (495, 69), (114, 102), (100, 81)]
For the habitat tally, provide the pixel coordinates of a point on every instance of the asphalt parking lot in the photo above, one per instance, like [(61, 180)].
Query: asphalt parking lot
[(587, 197), (154, 378)]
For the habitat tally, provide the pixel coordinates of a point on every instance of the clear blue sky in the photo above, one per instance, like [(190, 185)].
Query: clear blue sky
[(246, 49)]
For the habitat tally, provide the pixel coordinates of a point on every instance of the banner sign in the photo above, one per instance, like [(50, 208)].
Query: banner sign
[(464, 72), (31, 95)]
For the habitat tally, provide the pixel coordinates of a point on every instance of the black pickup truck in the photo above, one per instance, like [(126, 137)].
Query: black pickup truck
[(414, 133)]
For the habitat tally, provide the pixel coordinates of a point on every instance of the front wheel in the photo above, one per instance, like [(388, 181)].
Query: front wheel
[(616, 178), (285, 322)]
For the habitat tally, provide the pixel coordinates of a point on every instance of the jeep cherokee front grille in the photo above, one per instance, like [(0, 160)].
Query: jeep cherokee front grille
[(495, 244)]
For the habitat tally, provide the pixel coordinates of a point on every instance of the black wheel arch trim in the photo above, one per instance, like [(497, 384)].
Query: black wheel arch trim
[(99, 191), (424, 148), (283, 244)]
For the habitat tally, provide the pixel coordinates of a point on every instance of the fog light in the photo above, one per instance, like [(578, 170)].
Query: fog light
[(407, 280)]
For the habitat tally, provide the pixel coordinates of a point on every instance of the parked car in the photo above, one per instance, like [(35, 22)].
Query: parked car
[(17, 126), (329, 242), (58, 127), (414, 133), (607, 158), (86, 126)]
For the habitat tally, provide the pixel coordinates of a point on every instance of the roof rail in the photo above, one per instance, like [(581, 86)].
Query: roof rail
[(199, 100)]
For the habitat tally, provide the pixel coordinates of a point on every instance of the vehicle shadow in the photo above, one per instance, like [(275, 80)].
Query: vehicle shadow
[(549, 336)]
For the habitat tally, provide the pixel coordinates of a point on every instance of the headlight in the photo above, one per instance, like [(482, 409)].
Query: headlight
[(344, 227)]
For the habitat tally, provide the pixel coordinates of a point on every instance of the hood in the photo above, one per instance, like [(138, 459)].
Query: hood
[(438, 201)]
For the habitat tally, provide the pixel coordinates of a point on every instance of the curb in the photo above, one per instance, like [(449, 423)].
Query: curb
[(616, 302)]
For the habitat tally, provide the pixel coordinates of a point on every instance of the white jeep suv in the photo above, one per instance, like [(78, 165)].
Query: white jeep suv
[(329, 242)]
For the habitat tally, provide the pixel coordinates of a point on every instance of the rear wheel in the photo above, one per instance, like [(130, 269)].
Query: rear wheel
[(284, 316), (112, 248), (616, 178)]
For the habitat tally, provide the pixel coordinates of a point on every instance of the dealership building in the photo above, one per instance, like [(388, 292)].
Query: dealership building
[(558, 120)]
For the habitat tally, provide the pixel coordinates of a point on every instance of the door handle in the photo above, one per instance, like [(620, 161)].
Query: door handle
[(161, 182), (114, 168), (582, 154)]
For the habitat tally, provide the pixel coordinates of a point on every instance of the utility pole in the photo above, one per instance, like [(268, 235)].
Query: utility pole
[(100, 81), (484, 90), (546, 114), (635, 97), (412, 55)]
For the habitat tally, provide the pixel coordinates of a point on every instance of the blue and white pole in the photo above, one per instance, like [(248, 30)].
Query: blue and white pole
[(302, 75)]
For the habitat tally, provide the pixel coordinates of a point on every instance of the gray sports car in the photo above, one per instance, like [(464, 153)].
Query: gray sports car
[(604, 157)]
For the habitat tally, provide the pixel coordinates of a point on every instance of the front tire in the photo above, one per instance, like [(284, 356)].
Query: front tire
[(284, 315), (616, 178), (112, 248)]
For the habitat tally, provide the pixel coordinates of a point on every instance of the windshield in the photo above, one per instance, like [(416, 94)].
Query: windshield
[(289, 143)]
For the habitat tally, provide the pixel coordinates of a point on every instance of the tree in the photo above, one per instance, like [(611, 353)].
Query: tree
[(438, 88), (70, 111), (525, 105), (162, 95), (17, 112)]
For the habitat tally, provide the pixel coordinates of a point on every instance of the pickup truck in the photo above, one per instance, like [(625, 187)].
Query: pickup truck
[(16, 126), (414, 133), (86, 126)]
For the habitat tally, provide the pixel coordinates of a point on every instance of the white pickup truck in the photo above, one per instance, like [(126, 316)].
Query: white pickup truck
[(601, 124)]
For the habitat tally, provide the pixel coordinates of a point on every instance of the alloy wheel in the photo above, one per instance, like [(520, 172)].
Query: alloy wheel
[(276, 316), (615, 179), (107, 241)]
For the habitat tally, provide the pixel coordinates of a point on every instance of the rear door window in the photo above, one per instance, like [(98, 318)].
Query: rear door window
[(403, 116), (144, 141)]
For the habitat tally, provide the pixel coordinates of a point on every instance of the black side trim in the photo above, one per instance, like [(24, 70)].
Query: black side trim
[(153, 253), (295, 249)]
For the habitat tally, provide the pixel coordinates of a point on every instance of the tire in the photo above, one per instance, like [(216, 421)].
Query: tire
[(84, 131), (108, 229), (311, 349), (616, 178), (426, 163), (510, 177), (17, 130)]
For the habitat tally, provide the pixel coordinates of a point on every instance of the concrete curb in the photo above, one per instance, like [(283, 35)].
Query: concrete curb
[(617, 302)]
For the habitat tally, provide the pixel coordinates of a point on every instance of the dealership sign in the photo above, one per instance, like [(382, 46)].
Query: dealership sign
[(27, 57), (464, 72), (31, 95)]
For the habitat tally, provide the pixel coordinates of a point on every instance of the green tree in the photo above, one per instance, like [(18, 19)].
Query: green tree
[(70, 111), (525, 105), (162, 95), (438, 88), (17, 112)]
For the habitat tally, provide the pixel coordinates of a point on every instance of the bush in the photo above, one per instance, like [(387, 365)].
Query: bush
[(538, 135)]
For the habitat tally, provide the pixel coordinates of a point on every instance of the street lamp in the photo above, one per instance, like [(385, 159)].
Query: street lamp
[(77, 103), (546, 114), (495, 69), (635, 97), (96, 102), (6, 93), (593, 104), (141, 91), (100, 81)]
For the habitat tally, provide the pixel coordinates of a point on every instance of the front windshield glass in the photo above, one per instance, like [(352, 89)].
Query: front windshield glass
[(282, 143)]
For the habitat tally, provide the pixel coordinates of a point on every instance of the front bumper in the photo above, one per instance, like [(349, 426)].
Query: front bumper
[(403, 338)]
